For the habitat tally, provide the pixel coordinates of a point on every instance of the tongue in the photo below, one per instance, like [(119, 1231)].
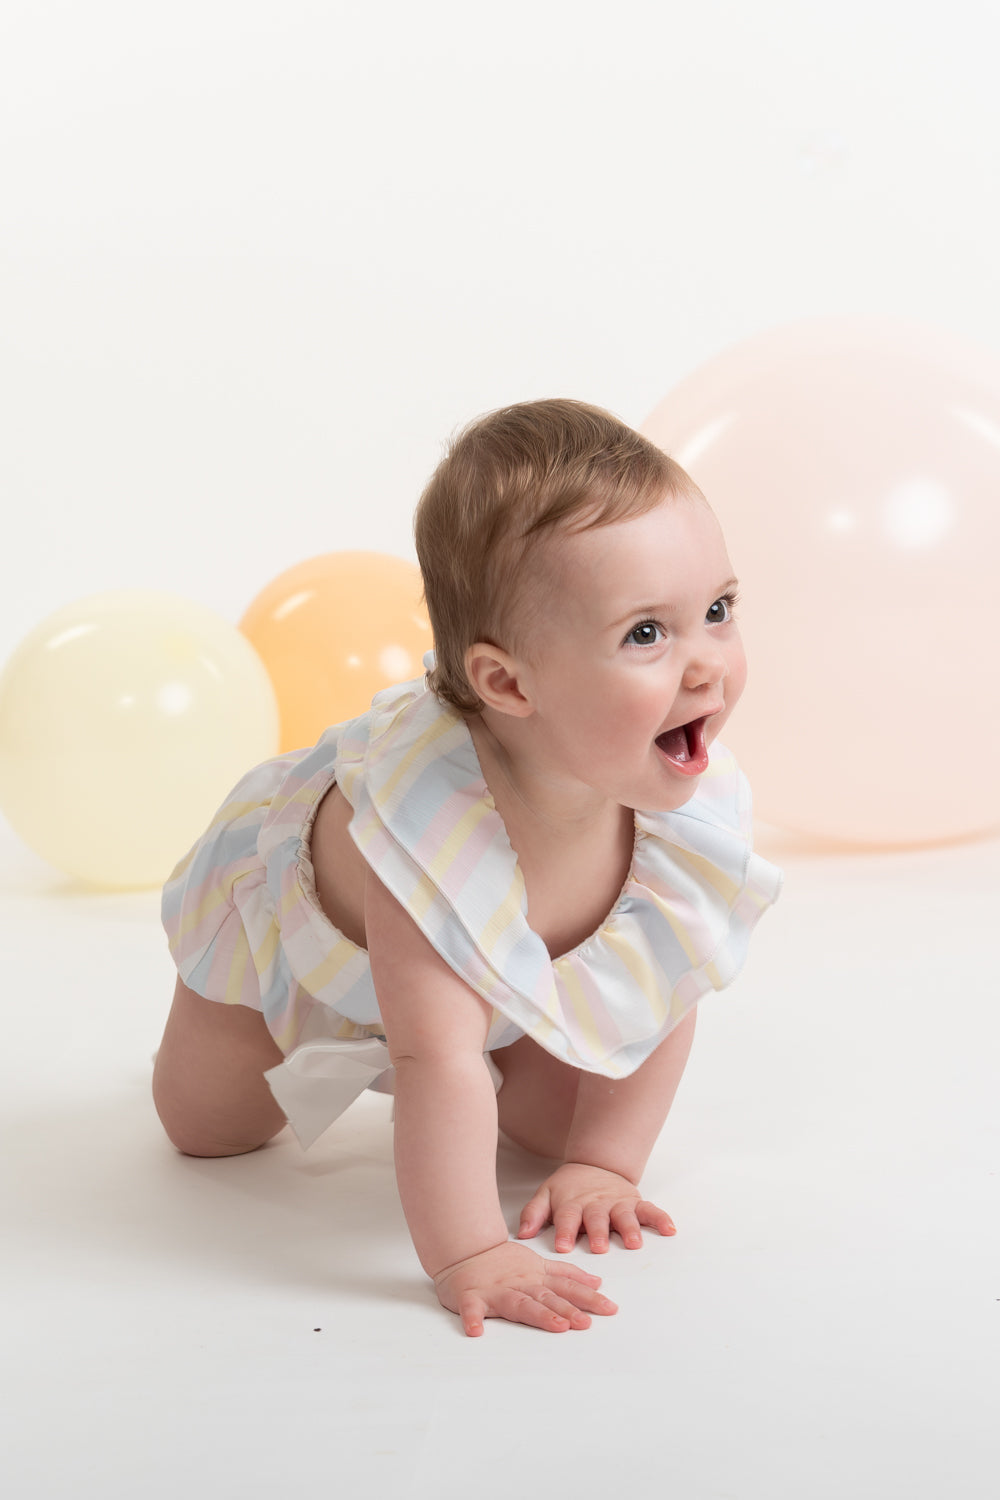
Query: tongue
[(674, 743)]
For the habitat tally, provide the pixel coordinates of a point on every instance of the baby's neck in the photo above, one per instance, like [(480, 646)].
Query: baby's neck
[(574, 848), (556, 801)]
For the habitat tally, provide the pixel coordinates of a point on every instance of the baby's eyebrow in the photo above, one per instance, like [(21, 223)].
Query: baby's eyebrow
[(664, 608)]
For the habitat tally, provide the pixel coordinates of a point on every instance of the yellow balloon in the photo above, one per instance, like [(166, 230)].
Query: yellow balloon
[(335, 630), (125, 718)]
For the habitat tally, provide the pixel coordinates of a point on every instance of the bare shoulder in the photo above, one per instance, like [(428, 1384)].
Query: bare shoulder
[(338, 867)]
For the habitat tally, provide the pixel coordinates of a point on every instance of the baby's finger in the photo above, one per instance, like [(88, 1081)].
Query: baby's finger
[(472, 1310), (534, 1215), (597, 1225), (564, 1307), (587, 1298), (625, 1222), (567, 1271), (566, 1221), (655, 1218), (524, 1307)]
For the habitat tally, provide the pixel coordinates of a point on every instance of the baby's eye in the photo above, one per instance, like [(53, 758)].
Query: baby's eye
[(646, 634), (721, 612)]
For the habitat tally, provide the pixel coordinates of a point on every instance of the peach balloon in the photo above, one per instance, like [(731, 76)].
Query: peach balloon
[(125, 718), (855, 467), (335, 630)]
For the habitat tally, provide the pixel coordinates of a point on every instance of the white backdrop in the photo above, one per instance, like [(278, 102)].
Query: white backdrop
[(258, 259)]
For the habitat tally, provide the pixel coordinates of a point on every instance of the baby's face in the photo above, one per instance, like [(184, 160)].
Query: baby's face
[(637, 662)]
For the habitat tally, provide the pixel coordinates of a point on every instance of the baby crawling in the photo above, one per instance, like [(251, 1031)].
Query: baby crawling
[(508, 884)]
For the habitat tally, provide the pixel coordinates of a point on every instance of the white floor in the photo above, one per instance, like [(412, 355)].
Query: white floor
[(825, 1324)]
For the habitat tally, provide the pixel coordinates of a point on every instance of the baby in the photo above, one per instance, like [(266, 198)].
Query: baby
[(501, 892)]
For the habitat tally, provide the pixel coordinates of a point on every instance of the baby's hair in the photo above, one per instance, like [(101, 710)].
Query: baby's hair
[(508, 480)]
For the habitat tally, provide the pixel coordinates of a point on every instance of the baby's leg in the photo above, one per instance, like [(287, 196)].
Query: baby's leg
[(537, 1099), (208, 1084)]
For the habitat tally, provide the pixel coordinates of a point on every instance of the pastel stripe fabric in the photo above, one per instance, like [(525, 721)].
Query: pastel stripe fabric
[(245, 926)]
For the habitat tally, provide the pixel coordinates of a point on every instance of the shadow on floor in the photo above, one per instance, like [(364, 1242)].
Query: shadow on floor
[(102, 1180)]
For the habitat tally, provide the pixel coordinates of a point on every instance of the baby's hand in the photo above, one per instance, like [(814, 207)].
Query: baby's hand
[(580, 1197), (510, 1281)]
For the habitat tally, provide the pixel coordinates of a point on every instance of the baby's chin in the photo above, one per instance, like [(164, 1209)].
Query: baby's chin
[(668, 804)]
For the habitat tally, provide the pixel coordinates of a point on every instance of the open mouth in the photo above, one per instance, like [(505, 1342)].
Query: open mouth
[(685, 747)]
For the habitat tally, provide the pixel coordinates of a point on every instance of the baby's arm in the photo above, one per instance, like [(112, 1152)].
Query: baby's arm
[(446, 1136), (614, 1127)]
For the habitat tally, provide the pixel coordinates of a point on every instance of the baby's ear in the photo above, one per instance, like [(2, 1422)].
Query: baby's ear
[(497, 677)]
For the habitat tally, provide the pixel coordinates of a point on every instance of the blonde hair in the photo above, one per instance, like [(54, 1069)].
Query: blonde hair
[(507, 481)]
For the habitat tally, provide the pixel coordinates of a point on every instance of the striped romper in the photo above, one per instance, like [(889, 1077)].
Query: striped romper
[(245, 926)]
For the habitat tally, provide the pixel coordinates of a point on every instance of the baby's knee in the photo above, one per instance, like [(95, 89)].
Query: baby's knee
[(209, 1087), (213, 1117), (194, 1132), (538, 1097), (194, 1143)]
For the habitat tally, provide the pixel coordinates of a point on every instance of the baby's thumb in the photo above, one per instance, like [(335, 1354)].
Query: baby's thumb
[(534, 1215)]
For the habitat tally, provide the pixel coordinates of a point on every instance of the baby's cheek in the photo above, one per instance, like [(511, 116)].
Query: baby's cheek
[(736, 680)]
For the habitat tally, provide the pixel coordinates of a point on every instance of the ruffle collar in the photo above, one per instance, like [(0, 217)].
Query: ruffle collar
[(426, 822)]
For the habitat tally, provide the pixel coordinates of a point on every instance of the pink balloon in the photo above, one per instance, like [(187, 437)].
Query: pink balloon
[(855, 467)]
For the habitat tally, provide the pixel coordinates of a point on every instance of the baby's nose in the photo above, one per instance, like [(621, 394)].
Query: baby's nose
[(706, 668)]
